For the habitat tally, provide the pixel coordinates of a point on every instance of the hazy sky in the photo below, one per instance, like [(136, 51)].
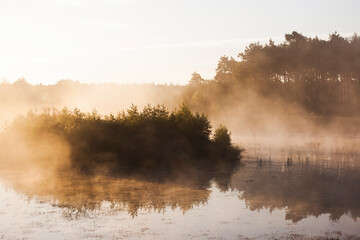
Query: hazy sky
[(150, 41)]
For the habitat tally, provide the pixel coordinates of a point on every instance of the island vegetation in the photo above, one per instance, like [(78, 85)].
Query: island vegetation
[(153, 140)]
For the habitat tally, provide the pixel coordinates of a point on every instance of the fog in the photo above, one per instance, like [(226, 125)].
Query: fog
[(278, 131), (251, 117), (273, 121), (20, 97)]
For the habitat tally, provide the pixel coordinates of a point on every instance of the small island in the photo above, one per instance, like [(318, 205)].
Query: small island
[(153, 140)]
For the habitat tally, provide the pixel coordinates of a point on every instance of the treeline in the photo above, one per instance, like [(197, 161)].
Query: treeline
[(322, 76), (20, 96), (153, 140)]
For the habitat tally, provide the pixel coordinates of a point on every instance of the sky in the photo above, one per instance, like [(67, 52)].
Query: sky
[(150, 41)]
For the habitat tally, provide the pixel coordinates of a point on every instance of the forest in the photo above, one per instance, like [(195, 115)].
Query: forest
[(320, 76)]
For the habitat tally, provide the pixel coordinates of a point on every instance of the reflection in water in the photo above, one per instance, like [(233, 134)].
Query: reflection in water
[(80, 193), (304, 184), (306, 194)]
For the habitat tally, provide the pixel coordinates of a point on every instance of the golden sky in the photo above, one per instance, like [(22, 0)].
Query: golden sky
[(161, 41)]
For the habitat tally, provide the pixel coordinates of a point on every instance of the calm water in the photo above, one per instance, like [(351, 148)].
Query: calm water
[(280, 192)]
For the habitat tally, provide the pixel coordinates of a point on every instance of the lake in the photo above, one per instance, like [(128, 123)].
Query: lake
[(280, 191)]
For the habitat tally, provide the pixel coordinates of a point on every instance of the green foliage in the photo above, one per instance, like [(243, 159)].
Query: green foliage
[(150, 140)]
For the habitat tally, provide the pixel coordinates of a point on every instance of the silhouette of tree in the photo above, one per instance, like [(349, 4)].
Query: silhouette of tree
[(143, 141), (323, 76), (196, 79)]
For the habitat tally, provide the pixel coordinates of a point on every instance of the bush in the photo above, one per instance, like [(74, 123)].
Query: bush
[(153, 140), (222, 136)]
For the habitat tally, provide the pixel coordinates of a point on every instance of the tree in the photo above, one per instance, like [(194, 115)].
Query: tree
[(222, 136), (225, 69), (196, 79)]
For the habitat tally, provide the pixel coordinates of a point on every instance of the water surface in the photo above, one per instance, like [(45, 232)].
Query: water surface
[(298, 192)]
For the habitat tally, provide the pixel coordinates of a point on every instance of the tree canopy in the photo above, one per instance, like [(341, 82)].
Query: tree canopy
[(321, 75)]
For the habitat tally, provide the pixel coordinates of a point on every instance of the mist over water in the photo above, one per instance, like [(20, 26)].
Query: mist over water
[(276, 154), (317, 191), (314, 190), (20, 97)]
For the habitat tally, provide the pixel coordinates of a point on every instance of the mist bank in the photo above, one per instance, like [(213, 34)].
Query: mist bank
[(245, 111), (302, 87), (20, 97)]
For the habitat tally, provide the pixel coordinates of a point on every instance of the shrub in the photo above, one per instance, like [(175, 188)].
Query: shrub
[(143, 141)]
